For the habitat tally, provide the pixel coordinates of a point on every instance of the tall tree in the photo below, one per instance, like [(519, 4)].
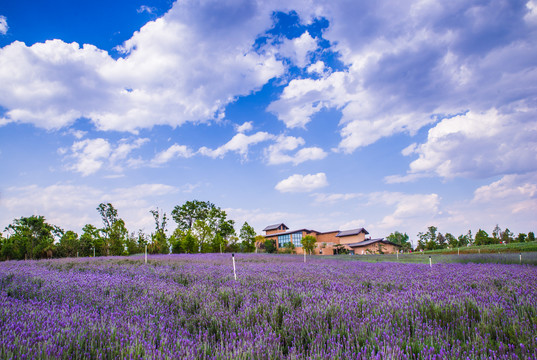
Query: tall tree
[(451, 240), (482, 238), (109, 217), (496, 233), (69, 245), (215, 218), (90, 240), (531, 237), (247, 236), (159, 244), (507, 236)]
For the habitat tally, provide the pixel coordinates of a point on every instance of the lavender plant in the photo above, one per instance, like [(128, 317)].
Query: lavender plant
[(190, 307)]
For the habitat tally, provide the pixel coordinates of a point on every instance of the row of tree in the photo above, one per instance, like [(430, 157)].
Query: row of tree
[(201, 227), (432, 239)]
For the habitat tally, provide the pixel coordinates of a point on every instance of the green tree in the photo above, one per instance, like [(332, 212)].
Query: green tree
[(441, 241), (218, 243), (531, 237), (159, 241), (506, 236), (69, 245), (400, 239), (109, 217), (482, 238), (118, 237), (451, 240), (204, 233), (496, 234), (270, 246), (247, 236), (190, 243), (308, 243), (29, 238), (214, 218), (428, 240), (521, 238), (133, 243), (89, 239)]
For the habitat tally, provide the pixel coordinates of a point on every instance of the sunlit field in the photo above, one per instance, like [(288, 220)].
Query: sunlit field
[(191, 307)]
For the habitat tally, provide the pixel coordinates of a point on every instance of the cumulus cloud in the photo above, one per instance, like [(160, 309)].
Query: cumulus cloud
[(408, 62), (174, 151), (277, 152), (90, 155), (245, 127), (477, 145), (185, 66), (299, 49), (302, 183), (3, 25), (240, 144)]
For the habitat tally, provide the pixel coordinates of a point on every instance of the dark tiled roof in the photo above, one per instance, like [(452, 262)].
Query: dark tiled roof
[(352, 232), (274, 227), (292, 232), (371, 241)]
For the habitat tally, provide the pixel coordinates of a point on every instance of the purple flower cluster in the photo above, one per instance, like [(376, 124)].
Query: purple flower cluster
[(190, 307)]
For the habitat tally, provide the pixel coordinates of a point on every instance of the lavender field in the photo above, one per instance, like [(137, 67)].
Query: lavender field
[(190, 307)]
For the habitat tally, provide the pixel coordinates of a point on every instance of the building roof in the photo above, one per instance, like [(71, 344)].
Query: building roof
[(292, 232), (275, 227), (371, 241), (352, 232)]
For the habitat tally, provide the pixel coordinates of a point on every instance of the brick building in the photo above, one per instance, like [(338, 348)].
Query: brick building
[(331, 242)]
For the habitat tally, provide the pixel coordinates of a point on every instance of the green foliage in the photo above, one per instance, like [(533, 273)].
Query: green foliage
[(69, 245), (289, 248), (270, 246), (190, 244), (159, 242), (451, 240), (506, 236), (90, 238), (400, 239), (308, 243), (30, 238), (531, 237), (247, 236), (521, 238), (482, 238)]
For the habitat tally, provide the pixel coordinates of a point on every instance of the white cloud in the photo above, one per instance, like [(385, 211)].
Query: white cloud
[(298, 49), (91, 155), (3, 25), (478, 145), (239, 144), (335, 198), (145, 8), (408, 209), (185, 66), (302, 183), (174, 151), (73, 206), (276, 153), (245, 127), (317, 68)]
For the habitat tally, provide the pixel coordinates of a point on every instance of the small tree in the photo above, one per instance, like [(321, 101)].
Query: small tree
[(482, 238), (452, 240), (308, 243), (521, 238), (531, 237), (270, 246), (190, 243)]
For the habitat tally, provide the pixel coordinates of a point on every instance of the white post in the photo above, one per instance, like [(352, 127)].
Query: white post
[(146, 253), (520, 258), (397, 253), (234, 271), (479, 251), (430, 261)]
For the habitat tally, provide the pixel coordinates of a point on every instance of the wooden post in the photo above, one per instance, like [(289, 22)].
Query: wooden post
[(234, 271), (430, 261)]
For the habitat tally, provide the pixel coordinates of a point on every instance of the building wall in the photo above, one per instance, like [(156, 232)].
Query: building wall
[(329, 237), (352, 238), (373, 248)]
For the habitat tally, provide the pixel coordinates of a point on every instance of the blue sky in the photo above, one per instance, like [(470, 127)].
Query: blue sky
[(388, 115)]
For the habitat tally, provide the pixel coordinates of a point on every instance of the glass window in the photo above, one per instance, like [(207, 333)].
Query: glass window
[(297, 239), (283, 239)]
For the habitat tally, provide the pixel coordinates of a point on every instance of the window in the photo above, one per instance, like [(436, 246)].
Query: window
[(283, 239), (297, 239)]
